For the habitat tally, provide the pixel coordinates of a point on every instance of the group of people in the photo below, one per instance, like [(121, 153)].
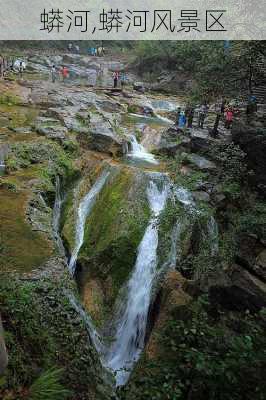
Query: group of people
[(225, 112), (62, 73), (96, 51), (119, 77), (186, 117), (73, 48)]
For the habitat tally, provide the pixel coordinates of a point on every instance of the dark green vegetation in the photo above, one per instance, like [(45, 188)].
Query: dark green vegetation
[(204, 354), (215, 69), (47, 343)]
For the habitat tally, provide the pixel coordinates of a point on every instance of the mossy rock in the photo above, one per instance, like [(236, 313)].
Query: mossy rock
[(114, 230)]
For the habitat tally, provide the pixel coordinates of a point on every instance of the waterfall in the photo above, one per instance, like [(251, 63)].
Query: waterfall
[(132, 318), (56, 215), (92, 332), (184, 196), (84, 209), (163, 119), (138, 151)]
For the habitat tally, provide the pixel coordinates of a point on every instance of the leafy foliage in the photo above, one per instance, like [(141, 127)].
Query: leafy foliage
[(204, 358), (44, 333)]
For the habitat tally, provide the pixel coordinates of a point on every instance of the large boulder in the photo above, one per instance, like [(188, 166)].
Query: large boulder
[(200, 141), (200, 162), (243, 291), (102, 136), (252, 140)]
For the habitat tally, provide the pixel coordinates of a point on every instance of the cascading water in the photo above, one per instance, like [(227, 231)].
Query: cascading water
[(137, 151), (132, 318), (93, 334), (56, 215), (84, 209), (184, 196)]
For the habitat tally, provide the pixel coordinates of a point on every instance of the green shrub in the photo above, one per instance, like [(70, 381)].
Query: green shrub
[(204, 358), (48, 386)]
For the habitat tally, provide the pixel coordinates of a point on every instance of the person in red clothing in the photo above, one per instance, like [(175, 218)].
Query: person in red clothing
[(64, 73), (228, 118)]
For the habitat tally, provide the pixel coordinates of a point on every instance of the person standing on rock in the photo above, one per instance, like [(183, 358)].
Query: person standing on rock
[(53, 73), (202, 115), (64, 73), (21, 68), (182, 120), (115, 78), (178, 115), (123, 80), (228, 118), (190, 117)]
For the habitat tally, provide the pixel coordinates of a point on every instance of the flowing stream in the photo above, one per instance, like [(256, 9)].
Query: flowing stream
[(84, 209), (56, 215), (131, 318), (138, 151)]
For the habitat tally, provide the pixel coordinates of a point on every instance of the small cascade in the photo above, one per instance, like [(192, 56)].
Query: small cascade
[(184, 196), (56, 215), (137, 151), (84, 209), (164, 105), (92, 332), (131, 318), (162, 118)]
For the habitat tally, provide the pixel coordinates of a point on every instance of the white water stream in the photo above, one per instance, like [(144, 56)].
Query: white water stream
[(84, 209), (56, 215), (138, 151), (131, 318)]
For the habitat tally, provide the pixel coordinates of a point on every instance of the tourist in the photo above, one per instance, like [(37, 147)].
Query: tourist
[(123, 80), (190, 117), (115, 78), (64, 73), (228, 118), (70, 46), (182, 120), (202, 115), (21, 69), (178, 115), (53, 73)]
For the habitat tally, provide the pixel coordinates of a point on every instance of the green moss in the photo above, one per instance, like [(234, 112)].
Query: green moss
[(43, 331), (9, 98), (22, 248), (113, 232)]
